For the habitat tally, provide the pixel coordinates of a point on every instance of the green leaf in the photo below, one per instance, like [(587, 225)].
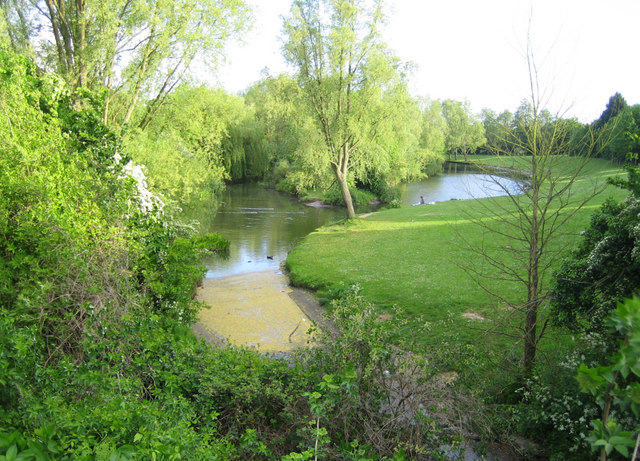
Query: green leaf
[(350, 373), (589, 379), (621, 440), (633, 392), (622, 450), (12, 453)]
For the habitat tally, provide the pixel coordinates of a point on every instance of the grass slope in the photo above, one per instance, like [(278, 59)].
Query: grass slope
[(414, 258)]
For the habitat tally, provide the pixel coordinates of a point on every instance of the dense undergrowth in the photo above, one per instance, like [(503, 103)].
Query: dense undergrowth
[(97, 357)]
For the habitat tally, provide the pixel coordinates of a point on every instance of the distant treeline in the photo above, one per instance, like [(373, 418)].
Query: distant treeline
[(201, 138)]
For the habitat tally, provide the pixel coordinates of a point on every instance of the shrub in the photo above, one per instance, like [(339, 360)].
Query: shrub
[(606, 266), (617, 387), (375, 397)]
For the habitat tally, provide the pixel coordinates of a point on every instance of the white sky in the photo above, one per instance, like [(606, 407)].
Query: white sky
[(474, 50)]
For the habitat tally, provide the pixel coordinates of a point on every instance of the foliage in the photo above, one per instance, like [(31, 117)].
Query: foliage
[(494, 129), (291, 142), (615, 106), (371, 398), (198, 139), (360, 197), (464, 133), (605, 268), (351, 84), (299, 162), (617, 386), (551, 410), (618, 128), (134, 49), (619, 134), (432, 137)]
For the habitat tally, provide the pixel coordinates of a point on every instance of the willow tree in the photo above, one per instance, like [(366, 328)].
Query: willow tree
[(137, 49), (464, 132), (343, 69)]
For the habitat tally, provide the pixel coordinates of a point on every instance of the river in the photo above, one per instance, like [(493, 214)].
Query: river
[(249, 298), (457, 186), (251, 302), (263, 225)]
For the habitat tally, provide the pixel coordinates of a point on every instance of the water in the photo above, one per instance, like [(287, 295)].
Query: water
[(457, 186), (263, 225)]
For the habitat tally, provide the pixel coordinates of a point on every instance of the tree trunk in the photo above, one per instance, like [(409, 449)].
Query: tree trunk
[(341, 168), (346, 194), (530, 336), (531, 316), (81, 45), (533, 276)]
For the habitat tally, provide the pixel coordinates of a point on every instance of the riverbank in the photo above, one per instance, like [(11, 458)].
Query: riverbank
[(418, 258)]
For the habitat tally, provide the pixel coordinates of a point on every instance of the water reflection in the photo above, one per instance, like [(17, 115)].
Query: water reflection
[(457, 186), (263, 226)]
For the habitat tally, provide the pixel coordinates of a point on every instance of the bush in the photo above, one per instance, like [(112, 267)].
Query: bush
[(358, 196), (95, 289), (606, 266), (375, 399), (617, 387)]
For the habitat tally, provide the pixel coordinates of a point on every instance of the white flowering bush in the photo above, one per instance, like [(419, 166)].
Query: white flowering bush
[(554, 406)]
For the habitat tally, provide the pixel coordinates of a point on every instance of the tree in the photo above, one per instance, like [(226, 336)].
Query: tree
[(529, 224), (396, 155), (464, 132), (15, 26), (134, 48), (494, 127), (605, 268), (289, 135), (193, 143), (615, 106), (617, 135), (343, 70), (432, 137)]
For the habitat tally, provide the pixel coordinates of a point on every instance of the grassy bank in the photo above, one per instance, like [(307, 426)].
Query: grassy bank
[(417, 258)]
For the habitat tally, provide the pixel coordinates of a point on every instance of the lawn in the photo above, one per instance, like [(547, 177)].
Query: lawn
[(418, 258)]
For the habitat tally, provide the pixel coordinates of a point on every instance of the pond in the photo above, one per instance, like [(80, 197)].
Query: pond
[(457, 186), (263, 225)]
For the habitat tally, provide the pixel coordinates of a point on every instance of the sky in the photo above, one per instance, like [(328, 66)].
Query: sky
[(474, 50)]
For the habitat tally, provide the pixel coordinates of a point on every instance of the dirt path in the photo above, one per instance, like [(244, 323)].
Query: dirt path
[(258, 310)]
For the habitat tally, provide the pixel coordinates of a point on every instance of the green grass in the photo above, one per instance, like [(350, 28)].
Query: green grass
[(414, 258)]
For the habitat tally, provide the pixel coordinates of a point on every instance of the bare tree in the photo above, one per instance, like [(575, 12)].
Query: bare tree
[(526, 232)]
